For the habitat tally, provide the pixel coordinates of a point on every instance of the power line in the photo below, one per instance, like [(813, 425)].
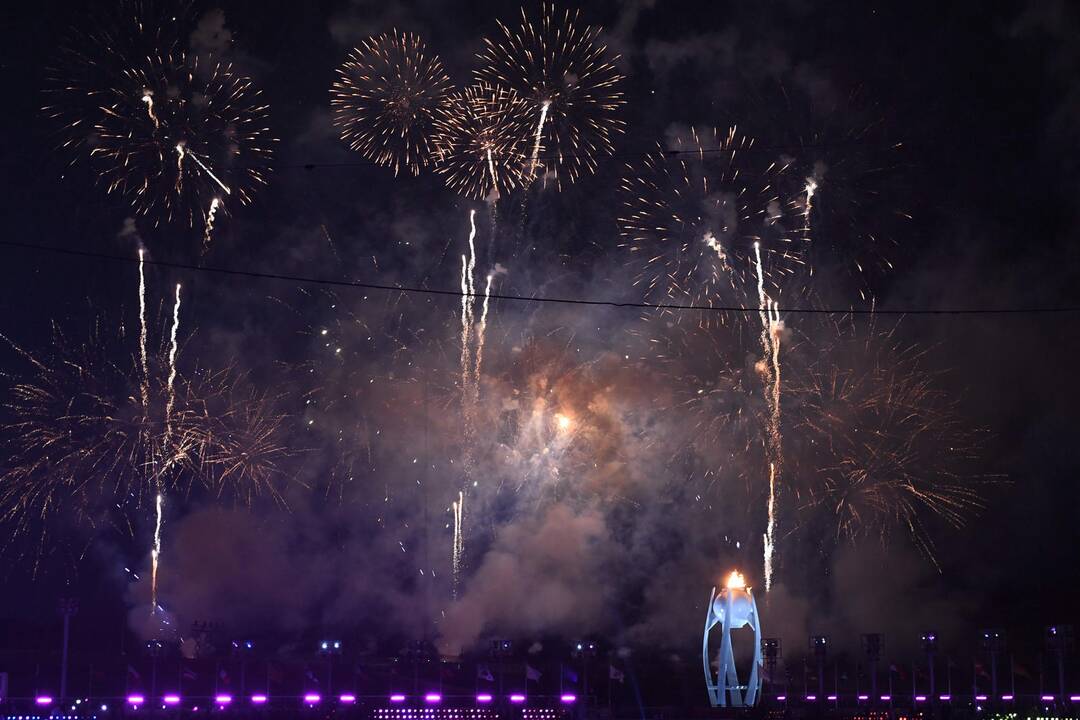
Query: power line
[(330, 282)]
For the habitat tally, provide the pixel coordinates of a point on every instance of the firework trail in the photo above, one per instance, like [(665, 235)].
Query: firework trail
[(470, 379), (210, 214), (770, 530), (170, 404), (180, 149), (468, 300), (481, 331), (563, 71), (810, 190), (539, 137), (385, 99), (148, 98), (771, 329), (145, 384), (170, 387), (458, 549)]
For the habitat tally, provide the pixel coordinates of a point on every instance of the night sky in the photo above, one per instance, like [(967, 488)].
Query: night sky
[(622, 529)]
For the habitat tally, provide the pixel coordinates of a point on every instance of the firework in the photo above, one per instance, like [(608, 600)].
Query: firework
[(878, 444), (82, 448), (240, 431), (845, 177), (385, 98), (166, 130), (695, 217), (477, 138), (771, 327), (566, 75)]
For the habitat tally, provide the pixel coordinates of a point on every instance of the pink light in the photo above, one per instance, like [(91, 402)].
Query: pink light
[(980, 698), (886, 698), (831, 698), (223, 699), (1006, 697), (433, 697), (568, 698), (1048, 698), (258, 699), (483, 698), (1072, 698), (347, 698), (43, 700), (312, 698), (944, 698), (864, 697), (171, 699), (811, 698), (136, 699), (517, 698), (397, 698), (781, 698), (920, 698)]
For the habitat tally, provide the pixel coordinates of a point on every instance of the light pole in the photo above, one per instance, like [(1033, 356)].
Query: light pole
[(819, 645), (993, 641), (243, 648), (1059, 640), (872, 645), (500, 649), (154, 648), (930, 643), (771, 650), (68, 607), (330, 648), (584, 649)]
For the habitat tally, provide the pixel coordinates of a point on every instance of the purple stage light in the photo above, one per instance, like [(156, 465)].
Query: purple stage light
[(171, 699), (483, 698), (43, 700), (781, 698), (920, 698), (864, 697), (831, 698), (347, 698), (1048, 698), (811, 698), (223, 699), (980, 698), (517, 698), (397, 698), (944, 698), (312, 698), (567, 698), (432, 697), (1072, 698), (136, 699), (258, 699), (886, 698), (1006, 697)]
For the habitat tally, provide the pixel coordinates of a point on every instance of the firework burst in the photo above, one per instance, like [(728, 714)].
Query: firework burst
[(569, 81), (82, 449), (695, 216), (878, 445), (478, 140), (385, 97), (176, 136)]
